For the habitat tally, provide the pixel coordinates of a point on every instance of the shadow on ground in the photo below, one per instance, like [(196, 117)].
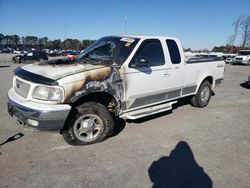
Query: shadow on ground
[(245, 85), (4, 66), (13, 138), (179, 170), (119, 126)]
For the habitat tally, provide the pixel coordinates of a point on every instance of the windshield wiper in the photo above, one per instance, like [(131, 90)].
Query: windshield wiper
[(105, 60), (89, 60)]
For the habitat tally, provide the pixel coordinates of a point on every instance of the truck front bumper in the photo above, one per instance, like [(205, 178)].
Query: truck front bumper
[(40, 116)]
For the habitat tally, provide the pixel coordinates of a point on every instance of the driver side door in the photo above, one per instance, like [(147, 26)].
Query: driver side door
[(147, 76)]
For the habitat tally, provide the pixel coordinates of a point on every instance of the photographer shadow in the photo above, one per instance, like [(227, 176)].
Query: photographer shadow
[(179, 170)]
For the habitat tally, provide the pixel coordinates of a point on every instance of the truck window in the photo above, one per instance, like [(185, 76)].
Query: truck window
[(152, 51), (116, 48), (173, 51)]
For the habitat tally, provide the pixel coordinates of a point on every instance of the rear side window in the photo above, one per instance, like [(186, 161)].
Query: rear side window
[(173, 51), (152, 51)]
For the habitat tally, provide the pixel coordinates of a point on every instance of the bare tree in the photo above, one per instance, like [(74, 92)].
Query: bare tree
[(245, 26), (230, 40), (236, 26)]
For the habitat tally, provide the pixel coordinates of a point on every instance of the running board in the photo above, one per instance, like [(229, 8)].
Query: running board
[(148, 111)]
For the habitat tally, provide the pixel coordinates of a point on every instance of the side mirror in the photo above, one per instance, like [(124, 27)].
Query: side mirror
[(142, 62)]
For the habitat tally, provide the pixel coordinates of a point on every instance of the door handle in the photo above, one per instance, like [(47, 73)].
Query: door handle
[(166, 74)]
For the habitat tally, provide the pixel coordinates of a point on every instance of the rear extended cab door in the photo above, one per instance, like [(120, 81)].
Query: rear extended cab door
[(176, 60)]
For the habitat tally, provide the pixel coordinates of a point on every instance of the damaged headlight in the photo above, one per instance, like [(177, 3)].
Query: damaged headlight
[(48, 93)]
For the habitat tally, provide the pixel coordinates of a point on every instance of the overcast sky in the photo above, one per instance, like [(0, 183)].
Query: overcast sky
[(198, 23)]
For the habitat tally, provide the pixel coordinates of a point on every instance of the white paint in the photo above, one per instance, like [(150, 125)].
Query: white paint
[(142, 82)]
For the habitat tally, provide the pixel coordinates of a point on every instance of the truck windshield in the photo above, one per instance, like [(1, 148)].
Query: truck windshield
[(114, 50), (244, 52)]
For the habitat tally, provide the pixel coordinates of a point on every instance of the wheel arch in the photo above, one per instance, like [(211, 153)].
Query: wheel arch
[(104, 98), (209, 78)]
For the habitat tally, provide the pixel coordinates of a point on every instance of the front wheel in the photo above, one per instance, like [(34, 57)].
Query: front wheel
[(91, 123), (21, 60), (202, 98)]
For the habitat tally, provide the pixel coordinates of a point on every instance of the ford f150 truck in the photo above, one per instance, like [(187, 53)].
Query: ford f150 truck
[(118, 76)]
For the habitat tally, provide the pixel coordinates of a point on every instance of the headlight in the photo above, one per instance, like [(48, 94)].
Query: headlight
[(48, 93)]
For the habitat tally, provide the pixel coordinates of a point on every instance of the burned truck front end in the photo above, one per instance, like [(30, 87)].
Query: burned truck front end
[(44, 103), (30, 104), (44, 94)]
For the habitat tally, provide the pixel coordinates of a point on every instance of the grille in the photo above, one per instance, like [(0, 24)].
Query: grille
[(239, 58), (21, 88)]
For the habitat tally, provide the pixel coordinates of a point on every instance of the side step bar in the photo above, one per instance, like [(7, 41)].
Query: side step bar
[(148, 111)]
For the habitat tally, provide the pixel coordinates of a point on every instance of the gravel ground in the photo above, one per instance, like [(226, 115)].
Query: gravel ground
[(188, 147)]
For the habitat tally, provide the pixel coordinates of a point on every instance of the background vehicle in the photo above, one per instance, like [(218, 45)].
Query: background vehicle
[(242, 58), (7, 50), (72, 55), (30, 56), (17, 51), (118, 76), (64, 53), (230, 59)]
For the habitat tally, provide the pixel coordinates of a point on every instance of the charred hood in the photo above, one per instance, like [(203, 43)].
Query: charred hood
[(55, 69)]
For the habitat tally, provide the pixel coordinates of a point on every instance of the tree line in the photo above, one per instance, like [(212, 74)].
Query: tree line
[(15, 41), (241, 31)]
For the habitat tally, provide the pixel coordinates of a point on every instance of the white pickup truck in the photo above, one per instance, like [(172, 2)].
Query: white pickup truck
[(118, 76), (243, 57)]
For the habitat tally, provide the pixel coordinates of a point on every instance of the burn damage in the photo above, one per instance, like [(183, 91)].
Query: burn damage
[(84, 80), (106, 80)]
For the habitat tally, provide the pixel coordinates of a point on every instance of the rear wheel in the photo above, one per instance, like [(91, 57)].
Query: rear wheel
[(91, 123), (202, 98)]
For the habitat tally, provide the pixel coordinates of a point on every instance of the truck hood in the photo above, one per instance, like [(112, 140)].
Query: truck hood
[(57, 69)]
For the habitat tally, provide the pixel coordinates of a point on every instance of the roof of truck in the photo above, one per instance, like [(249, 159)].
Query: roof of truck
[(148, 36)]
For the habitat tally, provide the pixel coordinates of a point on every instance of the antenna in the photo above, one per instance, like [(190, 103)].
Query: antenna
[(125, 22), (65, 29)]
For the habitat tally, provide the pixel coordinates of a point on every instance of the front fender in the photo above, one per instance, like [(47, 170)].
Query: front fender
[(108, 82)]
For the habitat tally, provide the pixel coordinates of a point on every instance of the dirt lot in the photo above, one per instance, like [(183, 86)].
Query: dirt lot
[(189, 147)]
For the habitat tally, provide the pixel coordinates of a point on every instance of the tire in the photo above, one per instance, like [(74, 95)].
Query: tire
[(90, 123), (202, 98), (21, 60)]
